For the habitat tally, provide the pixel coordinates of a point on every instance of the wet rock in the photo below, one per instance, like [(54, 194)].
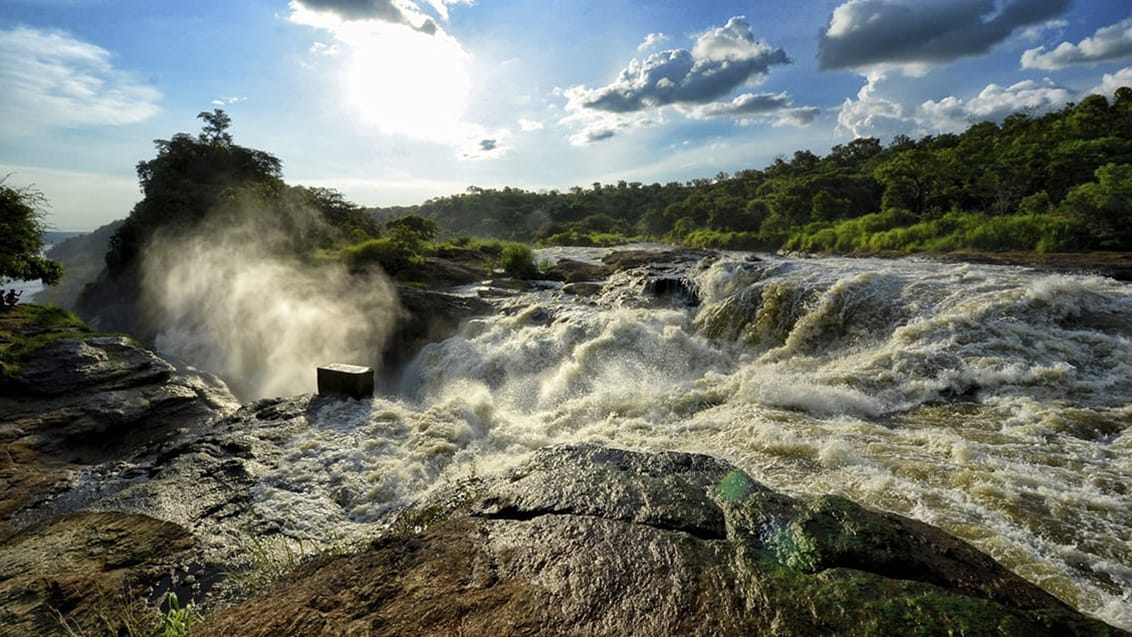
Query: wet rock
[(679, 289), (81, 401), (571, 271), (83, 569), (583, 289), (590, 540), (428, 317), (628, 259)]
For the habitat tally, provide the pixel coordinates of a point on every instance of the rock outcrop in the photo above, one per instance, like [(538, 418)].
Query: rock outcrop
[(77, 403), (590, 540)]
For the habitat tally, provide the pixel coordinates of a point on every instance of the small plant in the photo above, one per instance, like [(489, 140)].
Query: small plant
[(121, 615), (518, 261)]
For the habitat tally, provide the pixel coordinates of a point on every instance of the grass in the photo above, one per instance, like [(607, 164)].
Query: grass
[(898, 231), (27, 328), (121, 615)]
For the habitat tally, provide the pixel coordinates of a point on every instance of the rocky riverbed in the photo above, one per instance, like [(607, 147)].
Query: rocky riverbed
[(126, 477)]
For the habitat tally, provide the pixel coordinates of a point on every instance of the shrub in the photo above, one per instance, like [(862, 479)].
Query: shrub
[(393, 256), (518, 261)]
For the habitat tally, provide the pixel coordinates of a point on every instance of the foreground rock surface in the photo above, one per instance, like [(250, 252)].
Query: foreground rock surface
[(75, 404), (590, 540)]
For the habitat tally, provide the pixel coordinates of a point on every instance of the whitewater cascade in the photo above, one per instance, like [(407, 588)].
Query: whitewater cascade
[(993, 402)]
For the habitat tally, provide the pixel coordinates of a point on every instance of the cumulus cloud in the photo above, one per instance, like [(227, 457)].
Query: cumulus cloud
[(914, 34), (598, 135), (403, 12), (691, 81), (994, 103), (224, 101), (872, 114), (1112, 42), (529, 125), (875, 113), (721, 60), (52, 79), (651, 41), (1112, 81), (750, 108)]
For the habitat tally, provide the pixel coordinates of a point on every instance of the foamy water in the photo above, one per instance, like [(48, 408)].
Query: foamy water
[(993, 402)]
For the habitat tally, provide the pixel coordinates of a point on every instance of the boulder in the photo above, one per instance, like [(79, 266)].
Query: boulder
[(571, 271), (591, 540)]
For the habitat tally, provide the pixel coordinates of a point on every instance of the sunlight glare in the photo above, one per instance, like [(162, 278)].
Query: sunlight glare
[(409, 83), (399, 80)]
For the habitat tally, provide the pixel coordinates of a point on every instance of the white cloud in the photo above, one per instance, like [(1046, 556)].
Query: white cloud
[(720, 61), (912, 34), (399, 12), (529, 125), (994, 103), (871, 114), (651, 41), (876, 113), (54, 80), (1037, 32), (78, 200), (1112, 81), (1112, 42), (224, 101), (762, 108)]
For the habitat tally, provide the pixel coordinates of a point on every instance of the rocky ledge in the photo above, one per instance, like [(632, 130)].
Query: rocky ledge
[(591, 540)]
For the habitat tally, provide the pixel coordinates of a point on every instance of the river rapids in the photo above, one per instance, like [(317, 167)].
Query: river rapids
[(993, 402)]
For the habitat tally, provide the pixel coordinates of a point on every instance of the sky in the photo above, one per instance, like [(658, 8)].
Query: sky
[(395, 101)]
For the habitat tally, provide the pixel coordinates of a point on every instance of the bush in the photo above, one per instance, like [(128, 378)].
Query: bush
[(518, 261), (393, 256)]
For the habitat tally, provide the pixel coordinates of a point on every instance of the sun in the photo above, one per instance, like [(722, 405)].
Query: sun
[(404, 82), (396, 78)]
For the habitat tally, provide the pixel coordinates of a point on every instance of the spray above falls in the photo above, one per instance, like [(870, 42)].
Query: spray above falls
[(233, 297)]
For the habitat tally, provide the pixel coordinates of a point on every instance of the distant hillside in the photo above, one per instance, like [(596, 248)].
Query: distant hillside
[(83, 257)]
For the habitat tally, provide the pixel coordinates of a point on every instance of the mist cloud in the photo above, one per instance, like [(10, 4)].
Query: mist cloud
[(1113, 42), (228, 301), (867, 33)]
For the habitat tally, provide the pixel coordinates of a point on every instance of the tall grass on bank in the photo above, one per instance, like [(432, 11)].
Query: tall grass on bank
[(899, 231)]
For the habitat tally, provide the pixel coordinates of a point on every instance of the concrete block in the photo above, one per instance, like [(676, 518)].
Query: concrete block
[(338, 379)]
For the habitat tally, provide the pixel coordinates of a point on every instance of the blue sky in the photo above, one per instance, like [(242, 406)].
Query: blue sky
[(395, 101)]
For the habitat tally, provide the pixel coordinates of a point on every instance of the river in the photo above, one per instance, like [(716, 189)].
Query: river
[(991, 401)]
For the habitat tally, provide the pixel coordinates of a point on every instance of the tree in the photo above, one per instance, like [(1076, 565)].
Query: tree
[(1104, 207), (184, 183), (21, 236)]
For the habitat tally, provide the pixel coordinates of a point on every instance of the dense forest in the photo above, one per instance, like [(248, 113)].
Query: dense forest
[(1061, 181)]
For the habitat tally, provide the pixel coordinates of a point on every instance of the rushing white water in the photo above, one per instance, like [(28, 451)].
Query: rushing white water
[(993, 402)]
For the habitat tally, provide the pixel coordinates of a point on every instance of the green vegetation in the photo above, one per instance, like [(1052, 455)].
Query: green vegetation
[(22, 226), (207, 177), (132, 617), (518, 261), (27, 328), (1055, 182)]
